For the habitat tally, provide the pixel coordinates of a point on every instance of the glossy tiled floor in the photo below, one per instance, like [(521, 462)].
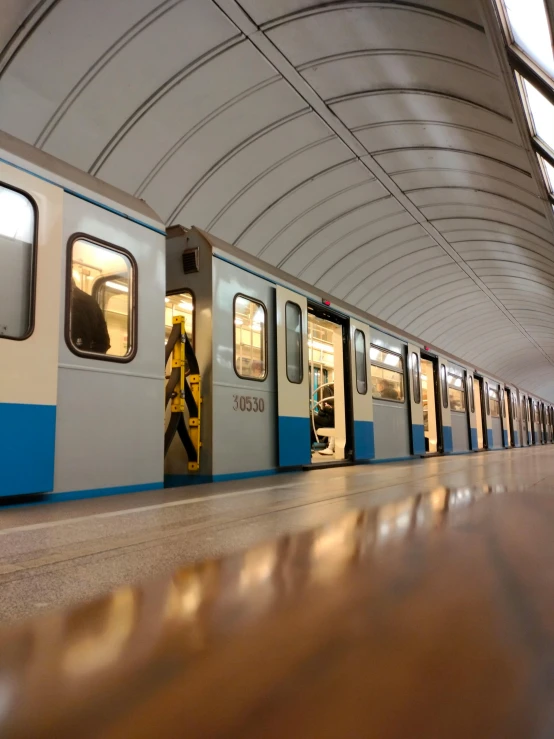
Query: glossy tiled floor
[(58, 554)]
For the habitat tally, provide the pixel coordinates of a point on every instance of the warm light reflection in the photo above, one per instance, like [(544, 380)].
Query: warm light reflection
[(531, 31), (96, 649)]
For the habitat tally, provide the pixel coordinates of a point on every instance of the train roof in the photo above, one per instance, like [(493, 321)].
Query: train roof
[(24, 155)]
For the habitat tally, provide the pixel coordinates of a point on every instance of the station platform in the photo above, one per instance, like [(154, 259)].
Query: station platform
[(58, 554), (416, 601)]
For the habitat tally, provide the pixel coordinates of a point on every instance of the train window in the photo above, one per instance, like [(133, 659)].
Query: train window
[(293, 342), (180, 304), (487, 403), (444, 386), (101, 300), (361, 362), (250, 344), (494, 403), (17, 254), (387, 374), (514, 407), (416, 379), (456, 393), (470, 393)]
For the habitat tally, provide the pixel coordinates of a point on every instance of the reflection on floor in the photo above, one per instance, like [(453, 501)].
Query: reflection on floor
[(52, 555)]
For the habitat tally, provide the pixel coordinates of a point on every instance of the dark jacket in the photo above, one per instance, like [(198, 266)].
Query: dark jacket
[(89, 331)]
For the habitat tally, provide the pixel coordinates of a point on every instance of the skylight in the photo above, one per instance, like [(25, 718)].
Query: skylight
[(542, 113), (531, 31), (549, 171)]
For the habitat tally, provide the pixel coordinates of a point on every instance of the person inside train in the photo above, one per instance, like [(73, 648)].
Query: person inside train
[(325, 417), (89, 330), (386, 389)]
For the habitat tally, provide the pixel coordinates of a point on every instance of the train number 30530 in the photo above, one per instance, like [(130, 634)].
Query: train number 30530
[(248, 403)]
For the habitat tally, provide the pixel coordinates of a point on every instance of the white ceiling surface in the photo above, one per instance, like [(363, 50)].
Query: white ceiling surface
[(376, 156)]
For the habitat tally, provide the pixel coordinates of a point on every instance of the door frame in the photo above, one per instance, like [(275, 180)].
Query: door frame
[(434, 359)]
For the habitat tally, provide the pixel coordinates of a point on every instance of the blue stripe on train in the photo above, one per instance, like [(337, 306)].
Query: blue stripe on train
[(490, 439), (418, 438), (27, 443), (294, 441), (447, 439), (364, 440), (474, 439)]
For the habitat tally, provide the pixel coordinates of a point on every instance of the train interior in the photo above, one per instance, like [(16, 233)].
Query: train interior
[(431, 411), (326, 341), (478, 394)]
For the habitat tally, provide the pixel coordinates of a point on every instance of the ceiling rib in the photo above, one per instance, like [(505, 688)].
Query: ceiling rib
[(234, 11)]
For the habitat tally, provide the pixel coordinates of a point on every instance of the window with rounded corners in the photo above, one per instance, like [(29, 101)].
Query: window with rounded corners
[(470, 393), (456, 393), (18, 238), (249, 338), (361, 362), (101, 300), (416, 381), (387, 374), (444, 387), (494, 402), (487, 402), (293, 342)]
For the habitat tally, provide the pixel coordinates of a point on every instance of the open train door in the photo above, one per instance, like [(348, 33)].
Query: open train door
[(30, 290), (293, 385), (362, 405)]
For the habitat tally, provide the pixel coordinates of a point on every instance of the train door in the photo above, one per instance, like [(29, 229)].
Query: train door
[(479, 415), (524, 421), (328, 368), (471, 413), (30, 281), (511, 399), (533, 420), (506, 425), (431, 404), (444, 406), (494, 414), (362, 406), (543, 423), (293, 380)]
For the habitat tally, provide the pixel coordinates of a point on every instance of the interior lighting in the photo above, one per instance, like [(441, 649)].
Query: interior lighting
[(238, 322), (117, 286), (391, 360), (259, 316), (322, 347), (167, 300), (531, 31), (542, 113), (373, 353), (457, 382), (185, 306)]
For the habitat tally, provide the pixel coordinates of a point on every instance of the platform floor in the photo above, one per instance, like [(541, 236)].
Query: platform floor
[(58, 554)]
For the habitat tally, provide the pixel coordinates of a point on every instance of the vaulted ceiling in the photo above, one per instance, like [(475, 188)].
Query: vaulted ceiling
[(370, 148)]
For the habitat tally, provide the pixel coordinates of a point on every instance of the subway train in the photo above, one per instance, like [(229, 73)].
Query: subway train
[(135, 357)]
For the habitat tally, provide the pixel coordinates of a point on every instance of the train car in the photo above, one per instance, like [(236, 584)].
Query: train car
[(261, 372), (82, 290)]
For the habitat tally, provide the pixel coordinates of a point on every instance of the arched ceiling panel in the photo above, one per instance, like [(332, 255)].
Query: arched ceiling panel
[(371, 148)]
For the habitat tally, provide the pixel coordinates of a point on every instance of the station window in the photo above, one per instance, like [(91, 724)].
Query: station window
[(456, 393), (250, 344), (494, 403), (444, 386), (17, 253), (416, 378), (387, 374), (180, 304), (361, 362), (101, 320), (293, 340)]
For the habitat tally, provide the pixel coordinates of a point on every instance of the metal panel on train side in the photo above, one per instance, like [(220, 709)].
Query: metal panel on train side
[(446, 416), (29, 367), (110, 431), (416, 405), (391, 418), (244, 409), (513, 414), (293, 397), (472, 413), (362, 406)]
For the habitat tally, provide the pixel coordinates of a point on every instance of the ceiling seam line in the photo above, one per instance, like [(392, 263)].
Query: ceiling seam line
[(257, 37)]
